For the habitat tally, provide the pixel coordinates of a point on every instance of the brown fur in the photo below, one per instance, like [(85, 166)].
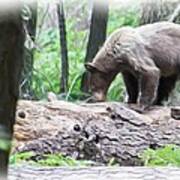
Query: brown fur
[(148, 58)]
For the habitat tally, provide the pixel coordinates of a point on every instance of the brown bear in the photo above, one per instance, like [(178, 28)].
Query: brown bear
[(148, 58)]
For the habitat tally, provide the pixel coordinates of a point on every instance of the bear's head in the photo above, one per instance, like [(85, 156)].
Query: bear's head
[(99, 82)]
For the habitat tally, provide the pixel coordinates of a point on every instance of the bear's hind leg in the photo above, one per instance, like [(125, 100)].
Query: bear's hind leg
[(166, 85)]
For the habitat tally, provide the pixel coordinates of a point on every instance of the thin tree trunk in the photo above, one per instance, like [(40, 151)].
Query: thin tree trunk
[(64, 51), (11, 57), (97, 35), (26, 80)]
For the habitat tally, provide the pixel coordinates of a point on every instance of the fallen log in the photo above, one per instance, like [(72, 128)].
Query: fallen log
[(97, 132)]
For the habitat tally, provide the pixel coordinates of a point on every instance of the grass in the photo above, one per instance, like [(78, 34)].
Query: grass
[(53, 160), (47, 160), (166, 156)]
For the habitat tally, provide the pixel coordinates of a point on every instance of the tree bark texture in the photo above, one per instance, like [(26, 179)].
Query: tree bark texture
[(97, 36), (26, 91), (11, 59), (94, 173), (63, 44), (97, 132)]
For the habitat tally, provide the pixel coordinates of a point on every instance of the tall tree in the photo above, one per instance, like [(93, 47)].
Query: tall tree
[(97, 36), (26, 80), (63, 44), (11, 59)]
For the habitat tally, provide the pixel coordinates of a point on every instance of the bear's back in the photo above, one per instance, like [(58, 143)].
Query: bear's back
[(159, 28), (122, 34), (162, 41)]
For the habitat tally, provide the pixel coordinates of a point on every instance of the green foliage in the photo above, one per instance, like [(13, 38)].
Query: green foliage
[(167, 156), (59, 160), (46, 64), (76, 51), (20, 157), (116, 90), (47, 160), (5, 144), (122, 17)]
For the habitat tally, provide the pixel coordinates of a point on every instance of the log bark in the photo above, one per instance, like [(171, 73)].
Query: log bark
[(101, 173), (97, 132)]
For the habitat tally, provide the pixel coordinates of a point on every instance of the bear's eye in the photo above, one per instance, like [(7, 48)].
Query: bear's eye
[(115, 51), (116, 48)]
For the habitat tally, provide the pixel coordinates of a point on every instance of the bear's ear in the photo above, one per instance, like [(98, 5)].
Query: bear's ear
[(90, 67)]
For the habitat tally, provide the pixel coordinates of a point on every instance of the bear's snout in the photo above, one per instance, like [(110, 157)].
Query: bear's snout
[(96, 97), (99, 96)]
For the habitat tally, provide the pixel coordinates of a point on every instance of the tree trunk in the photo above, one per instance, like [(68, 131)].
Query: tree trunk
[(99, 132), (26, 91), (64, 52), (97, 36), (11, 53)]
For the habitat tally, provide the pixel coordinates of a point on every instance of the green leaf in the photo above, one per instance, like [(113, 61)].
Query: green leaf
[(165, 156), (5, 144)]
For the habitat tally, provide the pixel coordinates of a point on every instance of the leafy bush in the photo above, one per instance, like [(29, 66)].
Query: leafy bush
[(167, 156), (46, 64)]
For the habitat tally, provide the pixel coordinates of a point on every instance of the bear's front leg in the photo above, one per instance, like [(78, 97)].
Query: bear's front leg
[(131, 84), (148, 86)]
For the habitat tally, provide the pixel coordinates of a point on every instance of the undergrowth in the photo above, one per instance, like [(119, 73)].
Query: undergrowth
[(165, 156), (47, 160)]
